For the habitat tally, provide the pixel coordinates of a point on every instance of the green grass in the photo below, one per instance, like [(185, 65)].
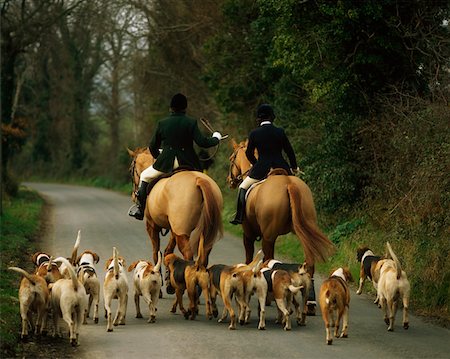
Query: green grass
[(20, 224)]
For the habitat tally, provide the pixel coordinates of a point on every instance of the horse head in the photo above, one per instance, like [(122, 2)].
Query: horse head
[(239, 164), (140, 160)]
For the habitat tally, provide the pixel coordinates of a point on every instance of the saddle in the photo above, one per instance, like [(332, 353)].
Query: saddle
[(273, 172), (153, 182)]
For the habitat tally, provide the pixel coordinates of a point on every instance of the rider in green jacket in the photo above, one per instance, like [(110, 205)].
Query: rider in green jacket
[(172, 145)]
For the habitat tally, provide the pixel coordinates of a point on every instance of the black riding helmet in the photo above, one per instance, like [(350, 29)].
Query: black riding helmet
[(178, 102), (265, 113)]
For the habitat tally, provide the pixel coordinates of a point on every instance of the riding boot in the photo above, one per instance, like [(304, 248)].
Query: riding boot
[(240, 207), (311, 303), (138, 210)]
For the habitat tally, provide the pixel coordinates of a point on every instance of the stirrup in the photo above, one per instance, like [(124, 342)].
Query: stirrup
[(135, 211), (236, 221)]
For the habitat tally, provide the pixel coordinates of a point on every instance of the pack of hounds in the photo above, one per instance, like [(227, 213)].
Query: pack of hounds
[(68, 288)]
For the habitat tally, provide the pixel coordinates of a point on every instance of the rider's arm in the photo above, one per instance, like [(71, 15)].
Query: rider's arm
[(155, 143), (201, 140), (250, 151), (287, 147)]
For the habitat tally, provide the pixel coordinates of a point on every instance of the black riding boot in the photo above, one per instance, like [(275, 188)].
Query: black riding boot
[(138, 210), (311, 303), (240, 207)]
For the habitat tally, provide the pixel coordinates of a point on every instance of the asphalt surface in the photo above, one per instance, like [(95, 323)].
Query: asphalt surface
[(102, 217)]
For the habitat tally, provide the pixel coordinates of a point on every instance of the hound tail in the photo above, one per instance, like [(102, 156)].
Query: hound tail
[(116, 262), (398, 266), (73, 275), (295, 289), (316, 245), (158, 264), (24, 273), (73, 257)]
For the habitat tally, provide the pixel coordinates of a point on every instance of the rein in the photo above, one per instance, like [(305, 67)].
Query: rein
[(132, 170)]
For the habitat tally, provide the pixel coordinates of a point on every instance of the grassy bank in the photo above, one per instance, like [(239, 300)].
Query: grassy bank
[(20, 226)]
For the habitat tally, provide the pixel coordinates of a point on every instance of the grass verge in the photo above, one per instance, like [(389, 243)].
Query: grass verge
[(20, 226)]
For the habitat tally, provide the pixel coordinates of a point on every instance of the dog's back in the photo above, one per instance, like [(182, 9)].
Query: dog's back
[(334, 300)]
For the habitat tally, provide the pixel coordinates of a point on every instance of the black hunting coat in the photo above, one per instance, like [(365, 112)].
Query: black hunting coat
[(270, 141), (176, 135)]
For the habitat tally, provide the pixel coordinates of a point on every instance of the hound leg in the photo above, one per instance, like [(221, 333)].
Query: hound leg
[(344, 333), (326, 319), (137, 305), (24, 315), (285, 312), (123, 311), (108, 314), (207, 296), (227, 304), (96, 302), (262, 308), (67, 317), (193, 299), (405, 311)]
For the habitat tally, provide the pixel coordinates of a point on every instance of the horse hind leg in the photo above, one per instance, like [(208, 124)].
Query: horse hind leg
[(184, 246)]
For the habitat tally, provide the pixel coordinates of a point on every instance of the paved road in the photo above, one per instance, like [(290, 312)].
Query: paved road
[(102, 217)]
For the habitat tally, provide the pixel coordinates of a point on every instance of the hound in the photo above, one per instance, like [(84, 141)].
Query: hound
[(33, 297), (69, 301), (115, 286), (88, 276), (393, 286), (334, 299), (147, 283)]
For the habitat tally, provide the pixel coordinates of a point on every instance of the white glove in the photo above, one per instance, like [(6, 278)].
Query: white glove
[(217, 135), (296, 171)]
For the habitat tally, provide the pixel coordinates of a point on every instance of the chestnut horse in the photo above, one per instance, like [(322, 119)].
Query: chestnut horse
[(276, 206), (189, 203)]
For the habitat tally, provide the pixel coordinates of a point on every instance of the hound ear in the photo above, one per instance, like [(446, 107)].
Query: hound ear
[(348, 274), (108, 262), (34, 257), (132, 266), (96, 258)]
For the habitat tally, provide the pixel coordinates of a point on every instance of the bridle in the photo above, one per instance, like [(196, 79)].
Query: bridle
[(133, 172), (236, 180)]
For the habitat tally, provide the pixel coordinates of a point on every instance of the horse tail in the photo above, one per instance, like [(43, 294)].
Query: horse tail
[(316, 245), (210, 222)]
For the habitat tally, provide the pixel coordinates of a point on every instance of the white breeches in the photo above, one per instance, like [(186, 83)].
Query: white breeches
[(150, 173), (247, 182)]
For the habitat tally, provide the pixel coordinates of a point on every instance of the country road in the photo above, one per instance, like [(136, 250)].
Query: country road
[(102, 217)]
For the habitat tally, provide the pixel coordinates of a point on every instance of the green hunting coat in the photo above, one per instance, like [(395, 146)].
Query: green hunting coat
[(176, 135)]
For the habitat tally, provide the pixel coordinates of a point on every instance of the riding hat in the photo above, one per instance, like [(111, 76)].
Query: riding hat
[(265, 112), (178, 102)]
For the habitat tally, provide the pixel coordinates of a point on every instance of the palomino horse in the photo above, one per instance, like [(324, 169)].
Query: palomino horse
[(277, 206), (189, 203)]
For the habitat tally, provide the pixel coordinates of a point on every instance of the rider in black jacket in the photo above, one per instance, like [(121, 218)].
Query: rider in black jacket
[(270, 141)]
